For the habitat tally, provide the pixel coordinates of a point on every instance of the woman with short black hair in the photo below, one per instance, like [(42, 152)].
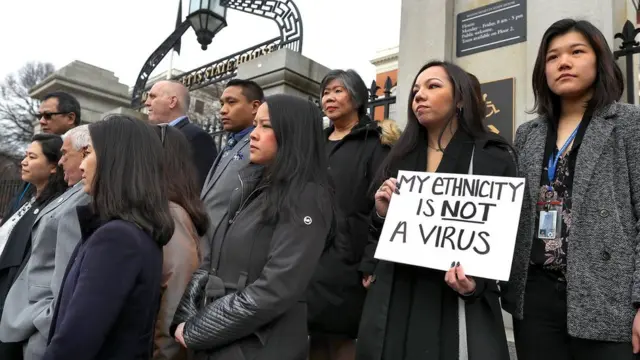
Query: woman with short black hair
[(109, 300), (247, 299), (355, 148), (575, 283)]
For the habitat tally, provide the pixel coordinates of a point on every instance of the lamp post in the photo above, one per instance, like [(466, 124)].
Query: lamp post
[(207, 18)]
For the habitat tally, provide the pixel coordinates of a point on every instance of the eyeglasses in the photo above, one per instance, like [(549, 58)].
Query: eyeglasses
[(47, 115), (163, 132)]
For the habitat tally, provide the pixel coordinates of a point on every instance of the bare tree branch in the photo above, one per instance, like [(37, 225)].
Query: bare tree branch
[(17, 109)]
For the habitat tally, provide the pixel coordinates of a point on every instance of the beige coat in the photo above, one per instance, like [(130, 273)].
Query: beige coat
[(180, 260)]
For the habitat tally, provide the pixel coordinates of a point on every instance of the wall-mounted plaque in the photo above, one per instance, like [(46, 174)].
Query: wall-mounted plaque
[(492, 26), (499, 97)]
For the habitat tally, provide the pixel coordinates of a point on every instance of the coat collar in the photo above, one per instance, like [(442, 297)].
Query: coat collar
[(55, 203), (182, 123), (221, 163), (364, 125), (89, 220), (251, 179), (593, 145), (457, 156)]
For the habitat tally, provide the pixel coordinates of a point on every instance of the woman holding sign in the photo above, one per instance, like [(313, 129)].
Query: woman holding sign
[(413, 312), (575, 283)]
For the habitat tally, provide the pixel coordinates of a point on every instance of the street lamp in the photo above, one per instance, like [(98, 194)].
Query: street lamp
[(207, 17)]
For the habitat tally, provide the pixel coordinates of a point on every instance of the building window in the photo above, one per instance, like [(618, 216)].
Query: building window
[(199, 107)]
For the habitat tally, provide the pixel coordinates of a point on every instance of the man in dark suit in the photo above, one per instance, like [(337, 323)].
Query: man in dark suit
[(168, 103)]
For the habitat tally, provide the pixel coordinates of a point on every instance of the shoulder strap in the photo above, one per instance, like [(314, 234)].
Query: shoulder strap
[(473, 152)]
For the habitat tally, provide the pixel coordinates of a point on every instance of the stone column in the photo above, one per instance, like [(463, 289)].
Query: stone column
[(285, 72), (97, 90), (426, 33)]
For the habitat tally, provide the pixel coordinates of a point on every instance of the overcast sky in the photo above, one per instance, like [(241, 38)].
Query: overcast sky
[(119, 35)]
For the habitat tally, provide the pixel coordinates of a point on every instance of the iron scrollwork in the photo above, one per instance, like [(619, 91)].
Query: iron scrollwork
[(628, 48), (283, 12)]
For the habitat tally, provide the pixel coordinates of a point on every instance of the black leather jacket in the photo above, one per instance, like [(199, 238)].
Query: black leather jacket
[(255, 277)]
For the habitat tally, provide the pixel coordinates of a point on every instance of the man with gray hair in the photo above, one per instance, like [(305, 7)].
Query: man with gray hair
[(29, 306), (168, 103)]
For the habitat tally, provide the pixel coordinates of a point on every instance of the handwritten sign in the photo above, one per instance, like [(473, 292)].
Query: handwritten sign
[(441, 218)]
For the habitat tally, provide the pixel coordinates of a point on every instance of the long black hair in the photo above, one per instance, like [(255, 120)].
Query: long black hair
[(608, 85), (129, 181), (51, 145), (468, 109), (300, 158), (181, 176)]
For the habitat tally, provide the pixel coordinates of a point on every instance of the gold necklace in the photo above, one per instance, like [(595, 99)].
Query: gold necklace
[(434, 149)]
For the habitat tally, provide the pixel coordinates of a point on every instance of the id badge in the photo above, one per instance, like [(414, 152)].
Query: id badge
[(550, 216)]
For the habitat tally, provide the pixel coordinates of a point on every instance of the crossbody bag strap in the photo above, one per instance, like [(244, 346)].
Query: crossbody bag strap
[(462, 314)]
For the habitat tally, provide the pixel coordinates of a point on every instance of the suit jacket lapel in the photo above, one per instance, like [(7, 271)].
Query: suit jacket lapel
[(536, 141), (184, 121), (593, 144), (457, 155), (222, 163), (57, 202), (214, 166)]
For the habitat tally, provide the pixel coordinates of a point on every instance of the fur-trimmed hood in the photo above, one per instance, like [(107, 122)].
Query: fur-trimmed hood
[(390, 132)]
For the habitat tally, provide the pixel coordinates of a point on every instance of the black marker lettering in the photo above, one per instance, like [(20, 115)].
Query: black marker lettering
[(471, 213), (437, 183), (422, 181), (404, 179), (485, 214), (448, 181), (431, 210), (448, 233), (461, 235), (481, 188), (483, 235), (397, 231), (446, 207), (500, 185), (457, 187), (515, 189), (426, 239), (438, 237)]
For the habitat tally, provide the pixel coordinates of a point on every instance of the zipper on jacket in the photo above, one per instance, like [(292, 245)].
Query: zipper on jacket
[(241, 199), (244, 201)]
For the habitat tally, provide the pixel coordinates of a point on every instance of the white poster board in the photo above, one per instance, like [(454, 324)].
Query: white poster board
[(439, 218)]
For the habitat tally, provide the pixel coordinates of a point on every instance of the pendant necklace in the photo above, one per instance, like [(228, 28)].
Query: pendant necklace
[(432, 148)]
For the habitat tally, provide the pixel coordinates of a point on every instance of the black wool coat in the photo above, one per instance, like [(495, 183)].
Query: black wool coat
[(336, 294), (393, 327)]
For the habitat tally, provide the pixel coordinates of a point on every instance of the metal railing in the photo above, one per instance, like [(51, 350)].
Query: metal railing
[(8, 191)]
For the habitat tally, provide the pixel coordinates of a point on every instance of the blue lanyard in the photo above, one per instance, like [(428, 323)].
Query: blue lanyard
[(16, 205), (553, 160)]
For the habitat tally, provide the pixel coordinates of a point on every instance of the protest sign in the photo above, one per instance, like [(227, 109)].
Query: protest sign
[(439, 218)]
